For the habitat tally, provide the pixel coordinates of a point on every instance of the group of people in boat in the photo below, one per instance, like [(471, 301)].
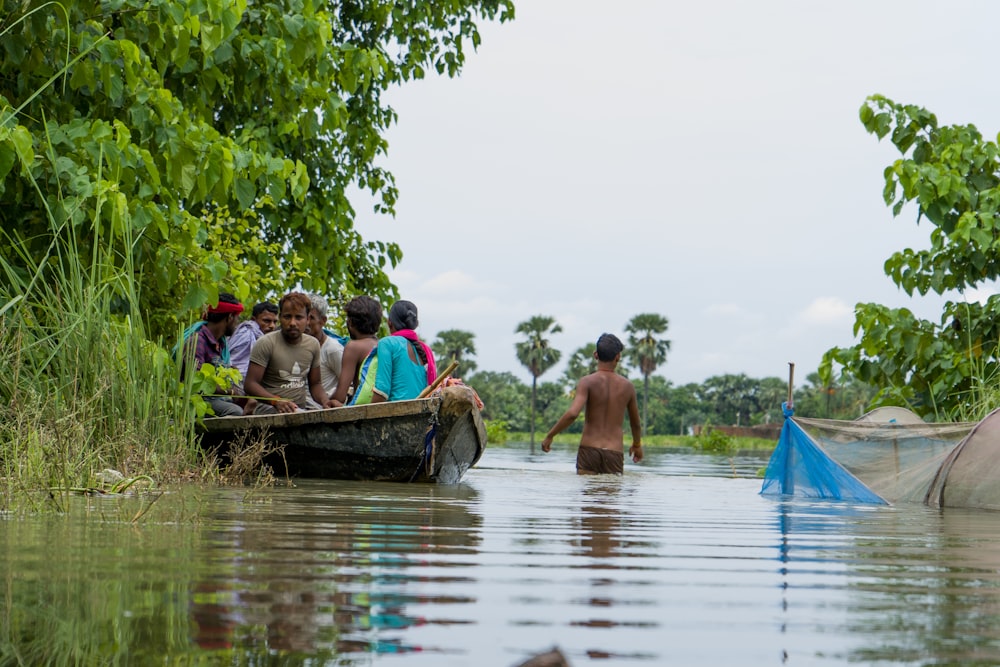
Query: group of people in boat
[(289, 360)]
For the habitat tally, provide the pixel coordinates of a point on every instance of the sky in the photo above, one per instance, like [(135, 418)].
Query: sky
[(703, 161)]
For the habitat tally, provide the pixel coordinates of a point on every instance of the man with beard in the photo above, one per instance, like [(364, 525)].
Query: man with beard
[(284, 364)]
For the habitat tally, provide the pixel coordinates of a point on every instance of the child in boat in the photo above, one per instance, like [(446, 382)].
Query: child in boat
[(607, 397)]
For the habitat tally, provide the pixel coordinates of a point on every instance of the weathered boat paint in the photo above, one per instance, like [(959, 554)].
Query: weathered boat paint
[(378, 442)]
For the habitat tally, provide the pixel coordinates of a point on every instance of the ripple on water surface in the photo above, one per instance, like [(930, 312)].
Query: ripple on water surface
[(679, 561)]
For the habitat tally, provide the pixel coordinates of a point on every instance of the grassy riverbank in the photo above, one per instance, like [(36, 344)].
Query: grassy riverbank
[(85, 391)]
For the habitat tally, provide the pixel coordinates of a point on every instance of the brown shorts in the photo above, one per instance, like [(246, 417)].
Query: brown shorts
[(596, 461)]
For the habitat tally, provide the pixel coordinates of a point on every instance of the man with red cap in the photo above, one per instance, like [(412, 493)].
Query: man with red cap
[(210, 346)]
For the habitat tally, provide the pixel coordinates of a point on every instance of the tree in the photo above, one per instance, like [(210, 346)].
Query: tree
[(771, 393), (505, 398), (581, 363), (155, 120), (685, 408), (552, 402), (843, 398), (730, 398), (536, 355), (952, 175), (455, 345), (646, 351)]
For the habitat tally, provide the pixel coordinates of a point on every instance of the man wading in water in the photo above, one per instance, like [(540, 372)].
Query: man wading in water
[(607, 397)]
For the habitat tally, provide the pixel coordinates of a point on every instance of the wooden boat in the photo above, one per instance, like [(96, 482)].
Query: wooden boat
[(434, 439), (889, 456)]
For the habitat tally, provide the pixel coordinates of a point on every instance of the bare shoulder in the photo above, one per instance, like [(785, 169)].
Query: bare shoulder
[(624, 384), (358, 347), (624, 381)]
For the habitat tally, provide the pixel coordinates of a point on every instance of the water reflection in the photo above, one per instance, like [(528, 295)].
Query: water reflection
[(327, 571), (600, 520), (911, 584), (680, 561)]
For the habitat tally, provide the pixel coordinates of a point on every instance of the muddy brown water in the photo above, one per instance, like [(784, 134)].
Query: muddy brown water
[(679, 562)]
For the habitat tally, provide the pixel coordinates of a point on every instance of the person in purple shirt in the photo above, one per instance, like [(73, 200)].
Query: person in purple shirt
[(263, 320), (208, 344)]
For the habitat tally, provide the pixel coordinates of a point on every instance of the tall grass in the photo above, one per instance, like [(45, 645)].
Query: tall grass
[(983, 395), (84, 388)]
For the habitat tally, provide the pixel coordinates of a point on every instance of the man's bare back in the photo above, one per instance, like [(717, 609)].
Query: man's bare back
[(606, 398)]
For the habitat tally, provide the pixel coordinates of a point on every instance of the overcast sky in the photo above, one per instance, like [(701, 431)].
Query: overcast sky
[(703, 161)]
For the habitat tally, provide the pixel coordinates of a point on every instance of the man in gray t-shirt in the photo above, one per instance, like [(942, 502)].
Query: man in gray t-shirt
[(284, 364)]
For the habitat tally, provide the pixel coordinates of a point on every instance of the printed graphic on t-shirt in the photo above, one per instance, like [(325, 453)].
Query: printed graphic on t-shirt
[(294, 379)]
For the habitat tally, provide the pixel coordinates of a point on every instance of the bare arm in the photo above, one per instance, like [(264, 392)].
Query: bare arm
[(349, 365), (253, 387), (568, 417), (633, 419)]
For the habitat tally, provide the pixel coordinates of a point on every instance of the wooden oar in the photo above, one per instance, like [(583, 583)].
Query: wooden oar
[(440, 378)]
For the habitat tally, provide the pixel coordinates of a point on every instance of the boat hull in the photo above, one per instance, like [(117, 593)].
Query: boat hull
[(435, 439)]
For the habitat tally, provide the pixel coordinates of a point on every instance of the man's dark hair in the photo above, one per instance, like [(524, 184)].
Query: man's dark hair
[(365, 313), (264, 306), (224, 297), (608, 347)]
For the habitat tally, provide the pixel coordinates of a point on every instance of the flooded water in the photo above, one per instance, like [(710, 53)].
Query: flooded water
[(679, 562)]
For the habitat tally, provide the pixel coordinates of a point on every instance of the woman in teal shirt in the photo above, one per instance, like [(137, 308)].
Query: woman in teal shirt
[(405, 364)]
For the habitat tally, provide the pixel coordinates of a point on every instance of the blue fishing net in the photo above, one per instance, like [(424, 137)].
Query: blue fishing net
[(883, 457)]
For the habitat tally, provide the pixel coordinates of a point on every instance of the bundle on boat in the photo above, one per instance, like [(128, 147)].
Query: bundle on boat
[(433, 439), (888, 456)]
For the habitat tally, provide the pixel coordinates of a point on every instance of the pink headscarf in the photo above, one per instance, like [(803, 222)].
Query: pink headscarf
[(411, 335)]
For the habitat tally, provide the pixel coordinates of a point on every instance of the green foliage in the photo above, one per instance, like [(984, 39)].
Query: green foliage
[(551, 401), (580, 364), (505, 398), (673, 409), (845, 398), (455, 345), (208, 380), (952, 175), (496, 431), (716, 442), (150, 153), (736, 398), (85, 389), (173, 114), (536, 354), (646, 351)]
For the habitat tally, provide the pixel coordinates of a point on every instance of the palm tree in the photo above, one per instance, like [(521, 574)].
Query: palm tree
[(455, 345), (536, 355), (581, 362), (646, 351)]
